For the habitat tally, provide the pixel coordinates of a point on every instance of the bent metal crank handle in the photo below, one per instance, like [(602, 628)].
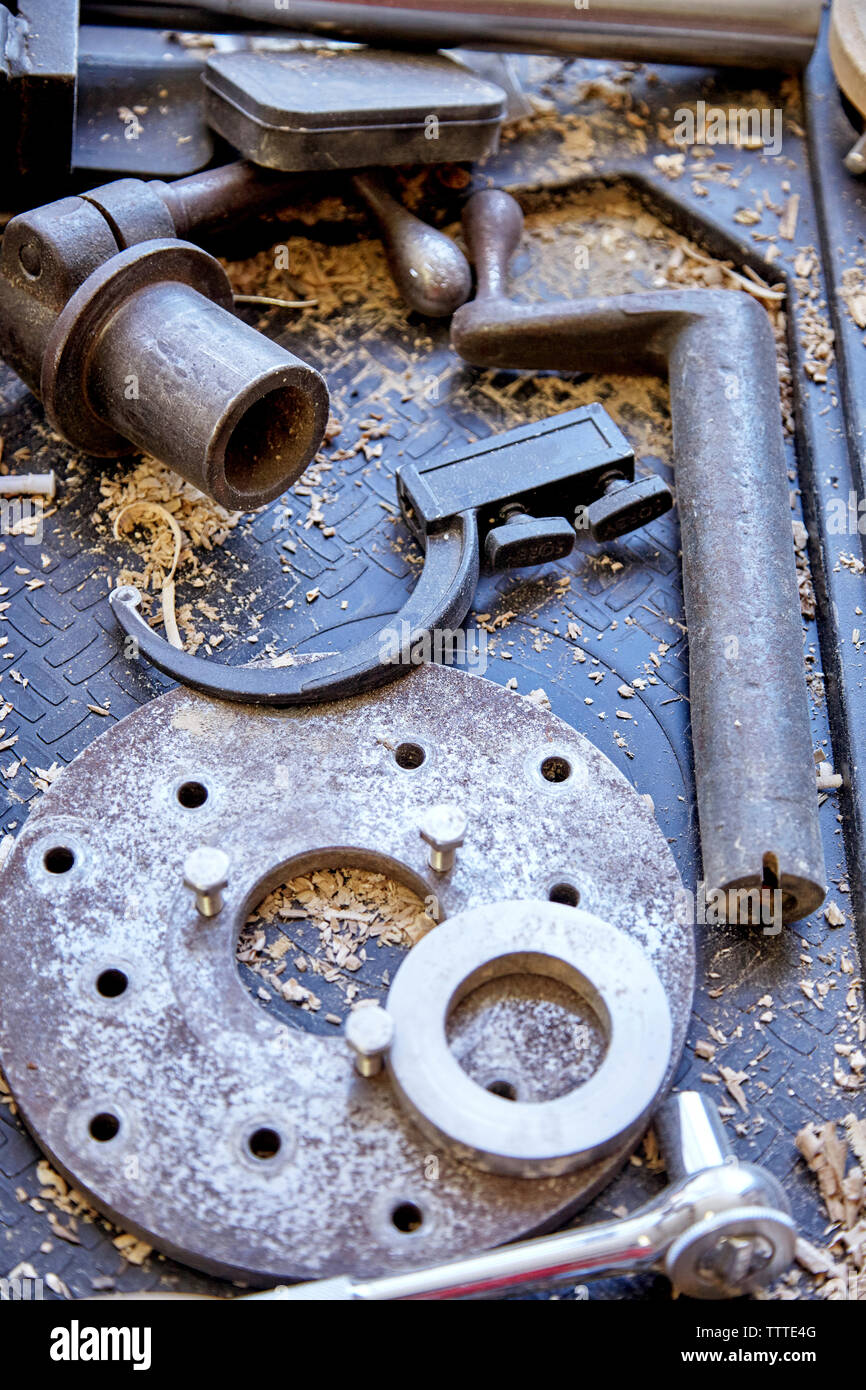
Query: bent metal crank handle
[(514, 500), (750, 721)]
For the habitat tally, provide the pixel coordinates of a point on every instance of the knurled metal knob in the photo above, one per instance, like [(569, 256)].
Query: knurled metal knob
[(524, 540), (626, 506)]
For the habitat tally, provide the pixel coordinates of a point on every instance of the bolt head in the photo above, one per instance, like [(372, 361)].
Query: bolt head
[(443, 827), (369, 1030), (735, 1259), (206, 869)]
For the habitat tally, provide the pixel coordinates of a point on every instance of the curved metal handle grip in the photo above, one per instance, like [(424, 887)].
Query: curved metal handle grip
[(441, 598), (429, 269), (492, 226)]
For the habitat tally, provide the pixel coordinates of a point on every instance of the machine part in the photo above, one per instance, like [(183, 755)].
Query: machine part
[(29, 484), (848, 56), (625, 506), (750, 721), (721, 1229), (553, 466), (444, 829), (147, 354), (855, 159), (431, 272), (507, 1134), (351, 108), (206, 872), (185, 1068), (356, 108), (738, 33), (429, 269), (521, 537), (525, 483), (38, 61), (120, 69), (369, 1031), (265, 411), (128, 337)]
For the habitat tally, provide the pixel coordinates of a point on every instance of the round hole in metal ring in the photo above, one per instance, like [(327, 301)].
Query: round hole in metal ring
[(550, 1137), (525, 1036)]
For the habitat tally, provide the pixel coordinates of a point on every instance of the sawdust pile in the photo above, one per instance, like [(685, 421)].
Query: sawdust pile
[(348, 277), (607, 242), (203, 523), (168, 523), (352, 909), (808, 601), (841, 1265), (817, 338)]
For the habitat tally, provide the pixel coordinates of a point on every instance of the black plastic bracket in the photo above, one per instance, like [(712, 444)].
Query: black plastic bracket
[(553, 468)]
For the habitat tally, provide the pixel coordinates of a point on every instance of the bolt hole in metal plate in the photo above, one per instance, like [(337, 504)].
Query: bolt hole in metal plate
[(191, 1070)]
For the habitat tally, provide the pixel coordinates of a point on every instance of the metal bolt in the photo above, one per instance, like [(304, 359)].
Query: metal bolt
[(444, 829), (612, 482), (206, 872), (369, 1031), (855, 159), (511, 512), (30, 256), (28, 484), (733, 1260)]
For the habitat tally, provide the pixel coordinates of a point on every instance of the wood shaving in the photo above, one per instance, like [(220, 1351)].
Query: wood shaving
[(788, 221), (852, 292), (841, 1266), (352, 910), (187, 523)]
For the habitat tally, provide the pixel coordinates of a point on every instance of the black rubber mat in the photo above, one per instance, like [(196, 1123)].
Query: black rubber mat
[(621, 606)]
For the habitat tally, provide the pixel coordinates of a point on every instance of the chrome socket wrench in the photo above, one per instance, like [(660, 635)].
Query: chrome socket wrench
[(720, 1229)]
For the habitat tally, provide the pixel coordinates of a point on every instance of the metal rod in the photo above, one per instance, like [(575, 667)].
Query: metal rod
[(748, 33), (215, 198)]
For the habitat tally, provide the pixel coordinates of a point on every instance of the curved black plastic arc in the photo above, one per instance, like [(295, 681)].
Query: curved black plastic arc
[(440, 599)]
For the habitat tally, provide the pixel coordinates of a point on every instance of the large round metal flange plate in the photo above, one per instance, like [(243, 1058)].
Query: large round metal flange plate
[(148, 1098)]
